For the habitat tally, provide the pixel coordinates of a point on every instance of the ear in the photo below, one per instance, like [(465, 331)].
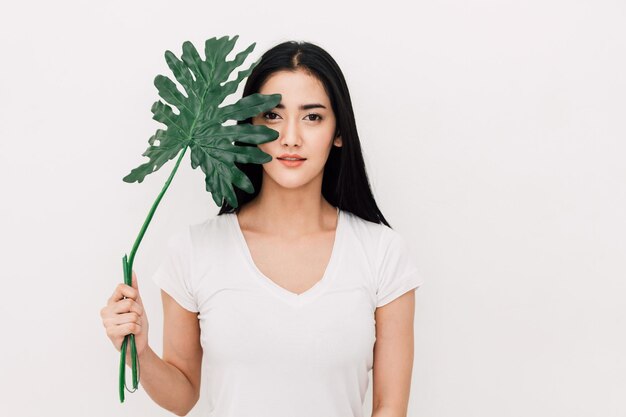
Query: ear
[(337, 141)]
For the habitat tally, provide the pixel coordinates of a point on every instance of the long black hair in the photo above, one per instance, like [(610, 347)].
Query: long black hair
[(345, 183)]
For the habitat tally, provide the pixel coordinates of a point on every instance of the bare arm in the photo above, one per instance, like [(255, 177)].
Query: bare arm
[(174, 381), (393, 357)]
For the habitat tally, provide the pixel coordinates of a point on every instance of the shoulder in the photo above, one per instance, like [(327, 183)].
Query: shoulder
[(212, 228), (384, 247), (199, 235), (378, 236)]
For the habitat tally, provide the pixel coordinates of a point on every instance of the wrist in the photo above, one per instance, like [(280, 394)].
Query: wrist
[(147, 351), (142, 355)]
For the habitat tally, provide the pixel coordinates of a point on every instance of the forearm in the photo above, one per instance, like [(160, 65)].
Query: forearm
[(165, 383)]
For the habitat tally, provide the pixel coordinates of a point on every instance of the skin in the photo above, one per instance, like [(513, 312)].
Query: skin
[(291, 217), (289, 227), (393, 357)]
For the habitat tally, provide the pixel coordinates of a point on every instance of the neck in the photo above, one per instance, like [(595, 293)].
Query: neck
[(289, 211)]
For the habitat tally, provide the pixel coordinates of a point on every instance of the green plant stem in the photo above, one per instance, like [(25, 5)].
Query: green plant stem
[(128, 269), (131, 258)]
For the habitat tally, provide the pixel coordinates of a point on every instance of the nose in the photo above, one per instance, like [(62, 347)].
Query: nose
[(289, 135)]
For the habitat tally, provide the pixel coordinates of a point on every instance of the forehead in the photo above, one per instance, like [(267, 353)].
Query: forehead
[(296, 87)]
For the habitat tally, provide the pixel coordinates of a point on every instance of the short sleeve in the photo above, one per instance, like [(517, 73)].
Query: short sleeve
[(173, 274), (397, 271)]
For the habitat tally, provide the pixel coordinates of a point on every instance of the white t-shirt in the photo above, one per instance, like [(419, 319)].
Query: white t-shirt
[(269, 352)]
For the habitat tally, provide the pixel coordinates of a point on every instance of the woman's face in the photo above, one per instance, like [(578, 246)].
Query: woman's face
[(306, 125)]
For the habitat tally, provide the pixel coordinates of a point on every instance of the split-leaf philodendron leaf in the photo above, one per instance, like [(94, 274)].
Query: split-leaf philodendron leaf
[(199, 121), (198, 124)]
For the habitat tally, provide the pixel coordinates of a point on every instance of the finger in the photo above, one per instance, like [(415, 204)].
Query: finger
[(123, 329), (123, 319), (134, 281), (126, 306), (133, 328), (119, 319), (123, 291)]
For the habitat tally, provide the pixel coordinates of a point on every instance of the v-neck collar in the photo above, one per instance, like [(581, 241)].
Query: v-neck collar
[(287, 296)]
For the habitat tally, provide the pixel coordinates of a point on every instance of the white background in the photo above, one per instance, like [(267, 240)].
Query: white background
[(494, 135)]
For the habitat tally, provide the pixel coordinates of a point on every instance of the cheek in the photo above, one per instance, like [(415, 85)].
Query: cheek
[(321, 138), (265, 147)]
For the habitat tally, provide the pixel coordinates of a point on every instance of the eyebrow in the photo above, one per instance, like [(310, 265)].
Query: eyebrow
[(304, 106)]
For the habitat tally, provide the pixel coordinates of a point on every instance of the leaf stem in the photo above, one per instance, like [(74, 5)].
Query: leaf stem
[(131, 257), (128, 270)]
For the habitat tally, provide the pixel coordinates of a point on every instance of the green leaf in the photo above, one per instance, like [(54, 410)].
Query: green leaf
[(246, 107), (190, 110)]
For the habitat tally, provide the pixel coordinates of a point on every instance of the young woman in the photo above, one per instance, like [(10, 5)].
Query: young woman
[(285, 304)]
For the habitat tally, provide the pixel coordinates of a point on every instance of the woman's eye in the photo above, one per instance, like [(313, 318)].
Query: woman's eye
[(270, 115), (313, 117)]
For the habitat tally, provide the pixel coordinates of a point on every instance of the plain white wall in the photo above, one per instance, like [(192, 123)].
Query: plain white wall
[(494, 138)]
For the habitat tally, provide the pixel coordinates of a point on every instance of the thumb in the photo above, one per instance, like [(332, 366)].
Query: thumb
[(134, 280), (135, 285)]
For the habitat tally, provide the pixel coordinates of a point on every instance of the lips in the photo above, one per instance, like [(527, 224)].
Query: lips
[(291, 156), (291, 163)]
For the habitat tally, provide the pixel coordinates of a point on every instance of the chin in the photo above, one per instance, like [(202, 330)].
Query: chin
[(292, 185), (295, 181)]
